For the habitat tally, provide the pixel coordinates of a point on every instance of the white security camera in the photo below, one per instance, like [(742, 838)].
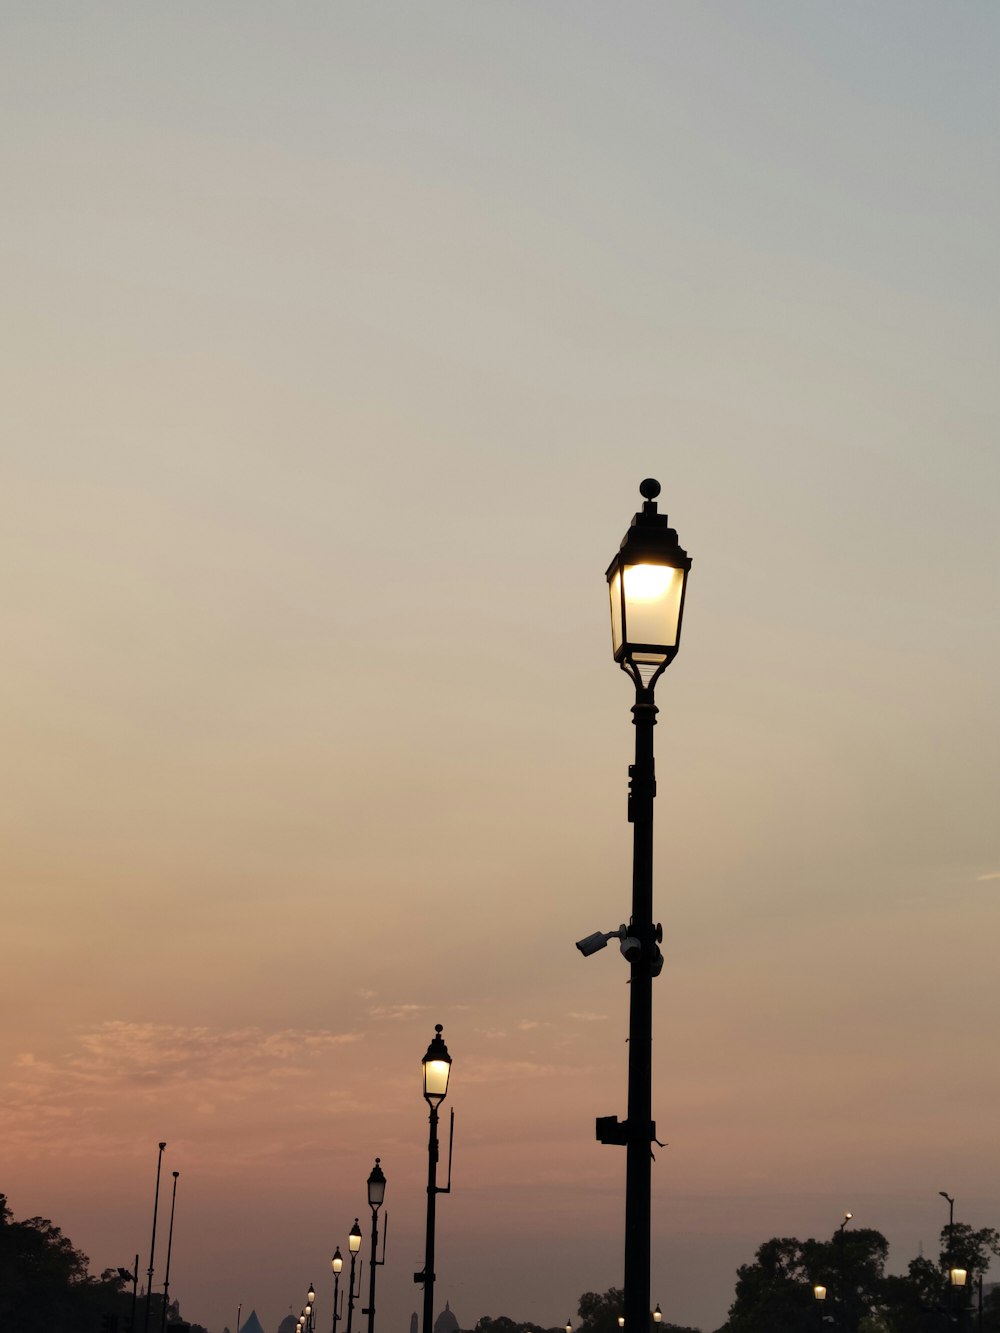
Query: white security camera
[(593, 943)]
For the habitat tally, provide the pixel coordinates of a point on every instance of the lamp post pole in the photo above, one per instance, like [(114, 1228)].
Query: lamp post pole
[(647, 581), (152, 1243), (376, 1195), (170, 1246), (353, 1244), (951, 1223), (437, 1070), (337, 1264), (846, 1307), (135, 1293)]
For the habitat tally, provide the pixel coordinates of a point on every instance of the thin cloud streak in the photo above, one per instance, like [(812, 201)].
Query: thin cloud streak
[(72, 1103)]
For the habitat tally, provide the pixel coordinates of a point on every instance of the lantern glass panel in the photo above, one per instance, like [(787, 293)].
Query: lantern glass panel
[(616, 611), (652, 607), (436, 1074)]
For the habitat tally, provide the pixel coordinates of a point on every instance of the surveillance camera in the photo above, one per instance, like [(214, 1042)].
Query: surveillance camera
[(593, 943)]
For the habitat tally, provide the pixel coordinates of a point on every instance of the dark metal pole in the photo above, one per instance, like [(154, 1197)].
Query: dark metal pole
[(640, 1129), (170, 1246), (336, 1289), (152, 1243), (135, 1293), (371, 1274), (351, 1295), (432, 1193), (951, 1235)]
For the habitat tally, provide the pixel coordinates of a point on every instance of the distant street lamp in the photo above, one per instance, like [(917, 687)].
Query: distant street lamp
[(569, 1326), (647, 580), (376, 1196), (951, 1234), (170, 1246), (657, 1314), (844, 1303), (353, 1244), (621, 1321), (152, 1243), (819, 1292), (437, 1070), (337, 1264)]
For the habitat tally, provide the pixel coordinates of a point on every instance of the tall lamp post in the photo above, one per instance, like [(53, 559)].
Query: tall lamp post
[(337, 1264), (437, 1070), (844, 1305), (951, 1235), (170, 1246), (376, 1196), (353, 1244), (152, 1243), (647, 580)]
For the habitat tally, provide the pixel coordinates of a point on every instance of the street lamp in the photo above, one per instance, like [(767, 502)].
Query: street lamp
[(170, 1246), (353, 1244), (657, 1314), (647, 580), (847, 1218), (437, 1070), (819, 1292), (152, 1243), (337, 1264), (957, 1276), (951, 1236), (376, 1196)]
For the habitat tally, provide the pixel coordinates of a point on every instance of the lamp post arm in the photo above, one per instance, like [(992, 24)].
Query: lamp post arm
[(446, 1189)]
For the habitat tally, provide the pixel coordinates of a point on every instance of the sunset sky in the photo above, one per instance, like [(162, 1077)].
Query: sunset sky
[(338, 338)]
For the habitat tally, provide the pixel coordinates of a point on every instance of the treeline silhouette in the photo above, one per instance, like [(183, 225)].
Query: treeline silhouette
[(597, 1312), (775, 1294), (46, 1286)]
